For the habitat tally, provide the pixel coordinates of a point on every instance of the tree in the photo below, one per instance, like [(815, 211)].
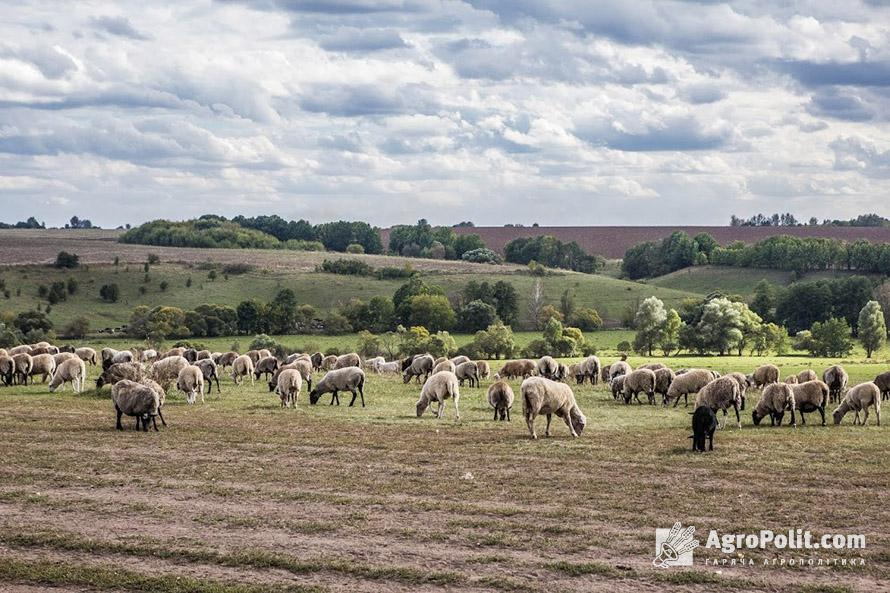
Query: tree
[(29, 321), (415, 286), (831, 337), (770, 336), (506, 301), (720, 325), (536, 302), (749, 325), (368, 344), (251, 317), (547, 313), (432, 311), (872, 328), (567, 304), (669, 332), (586, 319), (764, 301), (110, 293), (495, 341), (282, 311), (67, 260), (649, 319), (476, 315)]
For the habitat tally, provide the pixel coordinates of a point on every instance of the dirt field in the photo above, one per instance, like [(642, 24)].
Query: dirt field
[(238, 495)]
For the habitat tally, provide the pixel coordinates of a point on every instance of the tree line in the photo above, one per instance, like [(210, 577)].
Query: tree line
[(788, 219)]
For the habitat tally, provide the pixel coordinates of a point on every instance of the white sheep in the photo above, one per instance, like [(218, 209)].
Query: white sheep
[(23, 363), (289, 385), (543, 396), (7, 369), (86, 354), (73, 370), (242, 367), (439, 387), (721, 394), (348, 360), (166, 370), (639, 380), (774, 401), (500, 397), (445, 365), (350, 379), (859, 398), (190, 381), (686, 383), (547, 367), (301, 365), (836, 378), (810, 396), (43, 365), (619, 368), (394, 367), (467, 371)]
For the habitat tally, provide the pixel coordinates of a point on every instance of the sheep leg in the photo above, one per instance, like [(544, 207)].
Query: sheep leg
[(495, 414), (738, 419), (119, 426), (361, 392), (508, 415), (865, 418), (710, 441), (334, 396), (676, 401), (216, 377), (161, 416), (354, 395), (793, 420), (154, 422), (722, 426), (456, 408), (530, 421), (547, 431)]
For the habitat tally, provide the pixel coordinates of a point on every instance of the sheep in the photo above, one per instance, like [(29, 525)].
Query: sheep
[(215, 356), (190, 381), (484, 369), (439, 387), (704, 423), (371, 363), (154, 386), (743, 382), (652, 366), (547, 367), (288, 385), (809, 396), (328, 362), (467, 371), (177, 351), (883, 383), (459, 360), (663, 379), (87, 355), (619, 368), (37, 350), (445, 365), (562, 372), (316, 359), (7, 369), (689, 382), (441, 359), (575, 371), (62, 357), (166, 370), (616, 384), (242, 367), (348, 360), (3, 352), (522, 368), (543, 396), (118, 372), (227, 359), (73, 370), (791, 380), (267, 366), (253, 355), (135, 399), (720, 394), (836, 378), (44, 365), (606, 374), (23, 365), (148, 355), (765, 375), (806, 375), (394, 367), (637, 381), (775, 399), (23, 349), (105, 355), (190, 355), (415, 366), (66, 348), (859, 398), (500, 397), (304, 367), (589, 369), (202, 355), (346, 379), (210, 370), (263, 353)]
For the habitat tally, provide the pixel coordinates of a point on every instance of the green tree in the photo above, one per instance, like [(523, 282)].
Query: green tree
[(495, 341), (251, 317), (669, 332), (721, 325), (649, 319), (831, 337), (77, 328), (67, 260), (110, 293), (764, 301), (587, 319), (476, 315), (872, 329), (567, 304), (29, 321), (432, 311), (415, 286)]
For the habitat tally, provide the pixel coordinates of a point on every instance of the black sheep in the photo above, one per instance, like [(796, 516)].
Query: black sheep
[(704, 423)]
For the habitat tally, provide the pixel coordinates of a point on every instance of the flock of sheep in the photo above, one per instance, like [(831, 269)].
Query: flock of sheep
[(140, 379)]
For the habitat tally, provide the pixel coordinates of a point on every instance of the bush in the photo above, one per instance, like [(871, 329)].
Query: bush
[(347, 267), (624, 347), (354, 248), (476, 315), (67, 260), (163, 285), (482, 256), (336, 325), (238, 269), (72, 286), (586, 319), (393, 273), (77, 328), (302, 245), (261, 341), (57, 292), (154, 258), (110, 293)]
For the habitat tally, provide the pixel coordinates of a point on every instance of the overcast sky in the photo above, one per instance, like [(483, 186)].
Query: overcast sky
[(554, 111)]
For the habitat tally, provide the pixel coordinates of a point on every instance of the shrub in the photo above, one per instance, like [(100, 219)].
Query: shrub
[(238, 268), (72, 286), (586, 319), (261, 341), (211, 275), (163, 285), (302, 245), (336, 325), (77, 328), (57, 292), (624, 347), (110, 293), (348, 267), (154, 258), (391, 273), (67, 260), (482, 256), (354, 248)]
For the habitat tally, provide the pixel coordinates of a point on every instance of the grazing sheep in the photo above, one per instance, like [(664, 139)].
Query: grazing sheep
[(637, 381), (522, 368), (162, 395), (288, 386), (543, 396), (328, 362), (130, 371), (689, 382), (172, 352), (765, 375), (589, 369), (439, 387), (394, 367), (859, 398), (652, 366), (547, 367), (267, 366), (23, 365), (3, 352), (415, 366), (445, 365), (191, 382), (134, 399), (775, 399), (106, 354), (23, 349), (575, 371), (791, 380), (619, 368), (202, 355), (484, 369), (467, 371), (371, 363), (316, 359), (606, 374), (743, 382), (73, 370), (721, 394), (242, 367), (663, 379), (148, 355), (350, 379), (441, 359), (810, 396), (190, 355), (43, 365), (87, 355), (210, 370), (304, 367), (253, 355), (264, 352), (704, 423), (166, 370), (806, 375), (500, 397), (883, 383), (227, 359), (62, 357), (348, 360), (836, 378), (7, 369), (616, 384), (562, 372), (459, 360)]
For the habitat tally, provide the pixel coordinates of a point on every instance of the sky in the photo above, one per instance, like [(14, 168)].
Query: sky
[(496, 111)]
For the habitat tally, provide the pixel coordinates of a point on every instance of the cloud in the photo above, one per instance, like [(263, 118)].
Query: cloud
[(840, 104), (837, 74), (117, 25), (362, 40)]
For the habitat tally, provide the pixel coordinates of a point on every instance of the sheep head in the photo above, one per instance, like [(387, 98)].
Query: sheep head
[(579, 421)]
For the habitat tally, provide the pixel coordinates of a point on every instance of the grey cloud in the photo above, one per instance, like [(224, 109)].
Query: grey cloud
[(670, 134), (51, 62), (858, 154), (364, 100), (357, 40), (118, 25), (837, 73), (840, 104), (698, 94)]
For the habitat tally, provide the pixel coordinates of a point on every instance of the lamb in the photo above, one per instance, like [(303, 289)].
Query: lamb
[(346, 379), (459, 360), (445, 365), (242, 367), (87, 355), (23, 365), (135, 399), (394, 367), (467, 371), (836, 378), (859, 398), (348, 360), (227, 359), (721, 394), (304, 367), (775, 399), (439, 387), (288, 386), (590, 369), (415, 366), (371, 363), (210, 370), (7, 369), (523, 368), (328, 362), (166, 370), (547, 367), (689, 382), (883, 383), (704, 423), (543, 396), (663, 379), (484, 369), (267, 366), (500, 397), (73, 370), (616, 384), (130, 371), (809, 396), (619, 368), (191, 382), (765, 375), (44, 365), (637, 381), (316, 359), (806, 375)]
